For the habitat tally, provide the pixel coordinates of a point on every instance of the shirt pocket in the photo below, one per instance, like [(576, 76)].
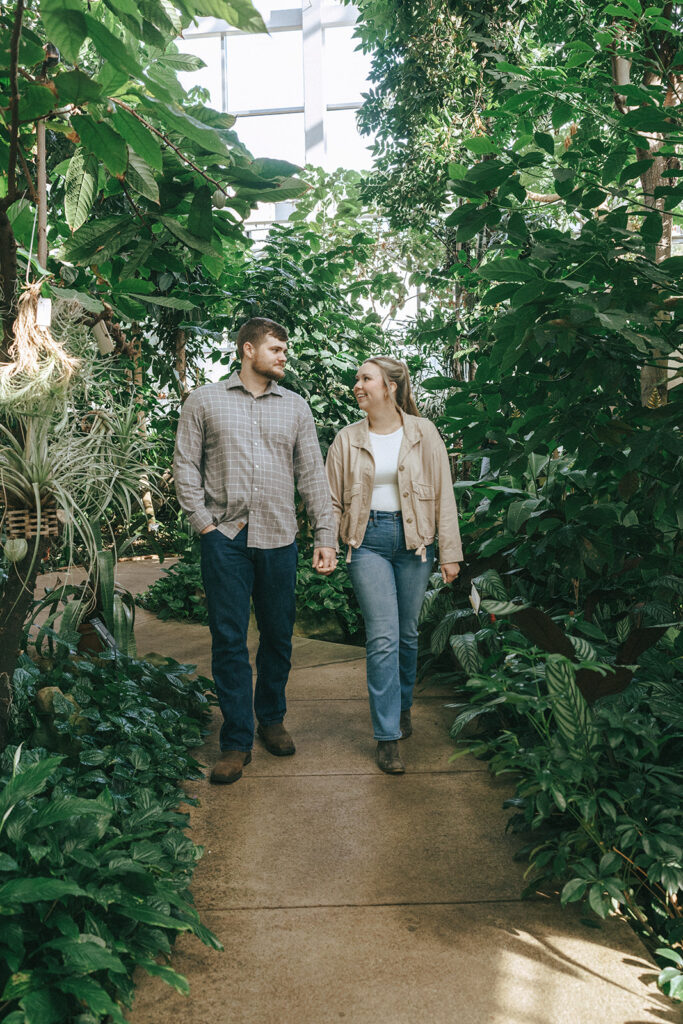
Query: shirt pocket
[(424, 505)]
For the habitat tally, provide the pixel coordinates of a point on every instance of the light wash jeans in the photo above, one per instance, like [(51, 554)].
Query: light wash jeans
[(390, 584)]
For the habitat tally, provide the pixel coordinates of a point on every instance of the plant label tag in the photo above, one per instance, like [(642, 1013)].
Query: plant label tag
[(44, 312)]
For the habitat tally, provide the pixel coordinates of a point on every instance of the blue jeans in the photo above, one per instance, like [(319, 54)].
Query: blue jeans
[(390, 584), (232, 575)]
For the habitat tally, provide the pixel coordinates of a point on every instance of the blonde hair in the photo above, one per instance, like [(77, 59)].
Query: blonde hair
[(395, 371)]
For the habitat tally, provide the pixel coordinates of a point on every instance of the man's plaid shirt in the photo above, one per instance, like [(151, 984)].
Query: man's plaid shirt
[(237, 458)]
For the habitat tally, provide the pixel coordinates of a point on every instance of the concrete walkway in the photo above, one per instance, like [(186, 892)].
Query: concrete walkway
[(342, 894)]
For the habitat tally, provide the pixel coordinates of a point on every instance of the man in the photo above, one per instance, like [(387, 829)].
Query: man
[(240, 447)]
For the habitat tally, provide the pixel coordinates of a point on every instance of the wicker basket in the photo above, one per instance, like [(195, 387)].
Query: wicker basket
[(23, 522)]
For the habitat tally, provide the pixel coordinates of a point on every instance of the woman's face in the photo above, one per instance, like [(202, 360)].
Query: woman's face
[(370, 390)]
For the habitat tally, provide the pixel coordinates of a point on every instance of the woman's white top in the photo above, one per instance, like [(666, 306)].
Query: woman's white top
[(385, 449)]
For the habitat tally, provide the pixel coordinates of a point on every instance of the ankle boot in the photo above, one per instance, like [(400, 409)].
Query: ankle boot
[(388, 757)]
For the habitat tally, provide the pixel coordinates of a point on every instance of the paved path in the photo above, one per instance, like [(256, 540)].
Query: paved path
[(342, 894)]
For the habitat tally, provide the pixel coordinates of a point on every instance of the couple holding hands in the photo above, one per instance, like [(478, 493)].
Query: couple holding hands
[(384, 494)]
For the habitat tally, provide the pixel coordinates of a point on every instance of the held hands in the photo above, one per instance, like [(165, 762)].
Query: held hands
[(449, 571), (324, 561), (208, 529)]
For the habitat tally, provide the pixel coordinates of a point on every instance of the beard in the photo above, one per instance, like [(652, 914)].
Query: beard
[(267, 369)]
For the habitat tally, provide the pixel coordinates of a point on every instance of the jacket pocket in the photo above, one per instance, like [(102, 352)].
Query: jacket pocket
[(350, 510), (424, 506)]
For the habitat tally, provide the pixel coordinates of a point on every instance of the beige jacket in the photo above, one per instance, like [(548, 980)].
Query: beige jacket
[(424, 483)]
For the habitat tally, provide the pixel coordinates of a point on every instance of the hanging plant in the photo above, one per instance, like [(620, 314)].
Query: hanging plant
[(39, 363)]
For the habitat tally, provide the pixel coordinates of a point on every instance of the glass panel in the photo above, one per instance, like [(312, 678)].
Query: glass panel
[(274, 135), (265, 71), (209, 49), (345, 146), (266, 7), (346, 69)]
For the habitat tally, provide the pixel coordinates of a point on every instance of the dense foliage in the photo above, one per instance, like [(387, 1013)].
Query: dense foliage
[(94, 862), (179, 594), (563, 157)]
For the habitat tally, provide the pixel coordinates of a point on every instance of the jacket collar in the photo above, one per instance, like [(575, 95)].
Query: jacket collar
[(360, 431)]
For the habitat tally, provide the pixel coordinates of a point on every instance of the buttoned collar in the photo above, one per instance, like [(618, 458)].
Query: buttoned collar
[(235, 381)]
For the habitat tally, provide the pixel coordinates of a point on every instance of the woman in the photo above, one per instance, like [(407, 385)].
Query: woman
[(391, 489)]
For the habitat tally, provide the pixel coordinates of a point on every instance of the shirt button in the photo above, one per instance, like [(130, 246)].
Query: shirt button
[(401, 468), (405, 494), (409, 519)]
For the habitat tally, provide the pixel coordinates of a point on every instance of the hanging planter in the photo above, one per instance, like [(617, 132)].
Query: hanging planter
[(23, 522)]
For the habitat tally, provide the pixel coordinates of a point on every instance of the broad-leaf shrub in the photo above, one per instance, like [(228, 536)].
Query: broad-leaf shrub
[(179, 594), (598, 789), (94, 863)]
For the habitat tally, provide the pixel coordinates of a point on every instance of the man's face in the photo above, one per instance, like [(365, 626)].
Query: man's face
[(269, 357)]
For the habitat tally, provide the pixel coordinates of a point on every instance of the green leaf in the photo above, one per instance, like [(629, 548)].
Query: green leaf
[(27, 783), (545, 141), (91, 994), (77, 87), (111, 79), (80, 188), (200, 219), (529, 292), (188, 127), (652, 227), (240, 13), (168, 301), (502, 607), (491, 585), (268, 168), (584, 650), (85, 243), (113, 49), (573, 890), (481, 145), (187, 238), (578, 58), (140, 177), (64, 25), (456, 171), (87, 301), (518, 514), (597, 900), (635, 170), (562, 114), (572, 714), (35, 890), (101, 140), (138, 137), (464, 647), (151, 917), (167, 974), (34, 100)]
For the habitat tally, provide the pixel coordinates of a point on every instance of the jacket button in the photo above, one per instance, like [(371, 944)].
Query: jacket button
[(401, 468), (409, 519)]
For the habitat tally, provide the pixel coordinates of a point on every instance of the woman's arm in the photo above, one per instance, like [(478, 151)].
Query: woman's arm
[(450, 546)]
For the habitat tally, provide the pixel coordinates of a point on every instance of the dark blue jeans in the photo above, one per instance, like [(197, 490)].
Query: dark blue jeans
[(233, 574)]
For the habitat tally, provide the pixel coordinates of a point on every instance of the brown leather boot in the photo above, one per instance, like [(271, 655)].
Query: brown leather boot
[(388, 757), (277, 739), (228, 767), (406, 724)]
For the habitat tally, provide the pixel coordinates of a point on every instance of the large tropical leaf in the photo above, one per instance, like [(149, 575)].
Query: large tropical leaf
[(464, 647), (80, 188), (572, 714), (65, 25)]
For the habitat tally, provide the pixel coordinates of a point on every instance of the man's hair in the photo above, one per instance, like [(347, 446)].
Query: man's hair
[(255, 331)]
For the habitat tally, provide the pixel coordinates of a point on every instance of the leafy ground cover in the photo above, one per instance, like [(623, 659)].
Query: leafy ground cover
[(598, 791), (179, 594), (94, 862)]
